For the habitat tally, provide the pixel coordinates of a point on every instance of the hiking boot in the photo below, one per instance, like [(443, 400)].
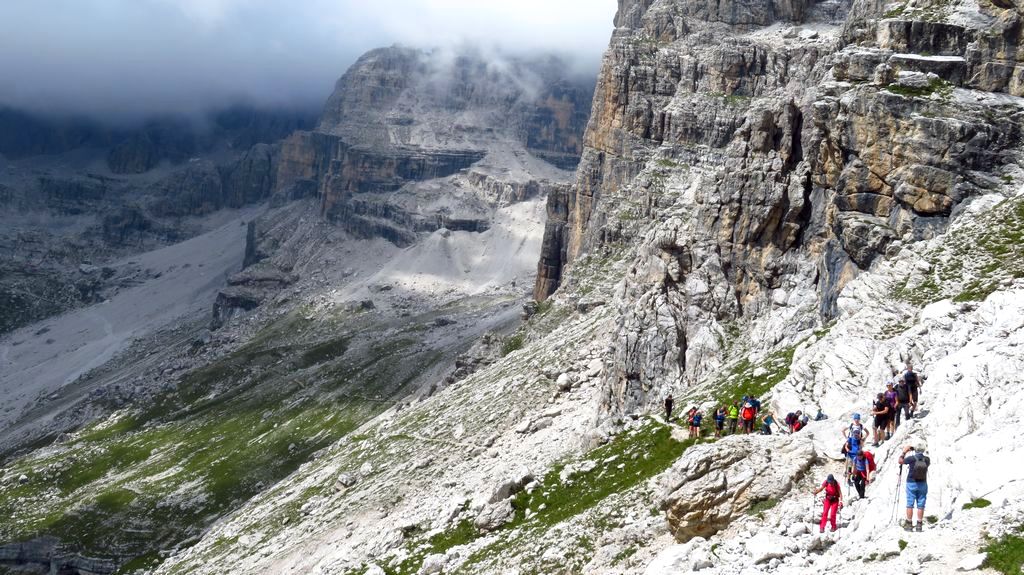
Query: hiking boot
[(906, 525), (920, 527)]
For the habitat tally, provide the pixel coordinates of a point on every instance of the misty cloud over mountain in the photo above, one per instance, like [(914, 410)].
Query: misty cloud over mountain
[(123, 60)]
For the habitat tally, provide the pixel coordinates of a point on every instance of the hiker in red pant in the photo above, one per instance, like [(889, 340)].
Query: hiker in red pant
[(833, 501)]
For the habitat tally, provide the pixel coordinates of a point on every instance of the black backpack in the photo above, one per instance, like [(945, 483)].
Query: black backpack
[(910, 378), (902, 393), (919, 468)]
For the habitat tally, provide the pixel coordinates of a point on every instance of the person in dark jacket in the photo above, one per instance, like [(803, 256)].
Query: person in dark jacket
[(669, 402)]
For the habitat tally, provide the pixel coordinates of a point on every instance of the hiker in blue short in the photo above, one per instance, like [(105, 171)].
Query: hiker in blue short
[(917, 483)]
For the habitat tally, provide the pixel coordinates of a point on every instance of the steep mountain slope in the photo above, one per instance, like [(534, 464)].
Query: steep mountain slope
[(322, 318), (777, 198)]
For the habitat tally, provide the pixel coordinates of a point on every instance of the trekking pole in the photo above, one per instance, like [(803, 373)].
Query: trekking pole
[(896, 499)]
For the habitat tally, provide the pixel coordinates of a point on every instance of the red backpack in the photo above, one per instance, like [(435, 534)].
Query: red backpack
[(748, 413), (871, 460)]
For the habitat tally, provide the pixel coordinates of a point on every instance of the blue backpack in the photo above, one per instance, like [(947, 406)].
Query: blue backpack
[(852, 445)]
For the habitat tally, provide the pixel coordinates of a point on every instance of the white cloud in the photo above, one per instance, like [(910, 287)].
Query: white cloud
[(133, 57)]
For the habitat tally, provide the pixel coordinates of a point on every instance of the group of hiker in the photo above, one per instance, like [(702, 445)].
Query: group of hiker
[(899, 402), (729, 419)]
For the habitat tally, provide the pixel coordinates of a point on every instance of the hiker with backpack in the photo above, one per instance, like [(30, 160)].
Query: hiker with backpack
[(766, 423), (917, 483), (720, 421), (856, 429), (863, 465), (733, 417), (748, 414), (795, 421), (832, 503), (880, 411), (669, 402)]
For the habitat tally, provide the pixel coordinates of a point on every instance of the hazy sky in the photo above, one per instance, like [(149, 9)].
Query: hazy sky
[(127, 58)]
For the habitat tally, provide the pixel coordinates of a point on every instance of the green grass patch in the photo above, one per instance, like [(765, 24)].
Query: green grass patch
[(902, 544), (326, 351), (977, 504), (1006, 554), (512, 343), (627, 460), (754, 380), (624, 554), (973, 259), (158, 477), (931, 519), (759, 507), (895, 12), (935, 86)]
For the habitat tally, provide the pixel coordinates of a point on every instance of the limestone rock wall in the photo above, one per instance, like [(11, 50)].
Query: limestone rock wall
[(778, 149)]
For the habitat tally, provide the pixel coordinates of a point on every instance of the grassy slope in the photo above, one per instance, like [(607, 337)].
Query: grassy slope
[(154, 479), (974, 259)]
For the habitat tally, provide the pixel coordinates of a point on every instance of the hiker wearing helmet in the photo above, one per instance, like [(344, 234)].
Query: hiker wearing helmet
[(880, 411), (917, 483), (833, 501)]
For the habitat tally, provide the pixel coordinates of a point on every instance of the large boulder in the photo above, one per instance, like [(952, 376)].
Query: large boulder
[(713, 484)]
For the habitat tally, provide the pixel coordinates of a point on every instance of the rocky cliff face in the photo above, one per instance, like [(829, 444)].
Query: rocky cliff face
[(772, 151), (401, 115)]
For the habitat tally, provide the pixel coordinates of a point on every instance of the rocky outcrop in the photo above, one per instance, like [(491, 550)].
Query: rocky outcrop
[(714, 484), (247, 290)]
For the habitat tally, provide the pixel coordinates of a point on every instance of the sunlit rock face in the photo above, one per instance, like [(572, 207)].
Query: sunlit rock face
[(765, 154)]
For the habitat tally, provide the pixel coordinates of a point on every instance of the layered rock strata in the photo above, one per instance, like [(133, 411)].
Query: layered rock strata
[(765, 154)]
